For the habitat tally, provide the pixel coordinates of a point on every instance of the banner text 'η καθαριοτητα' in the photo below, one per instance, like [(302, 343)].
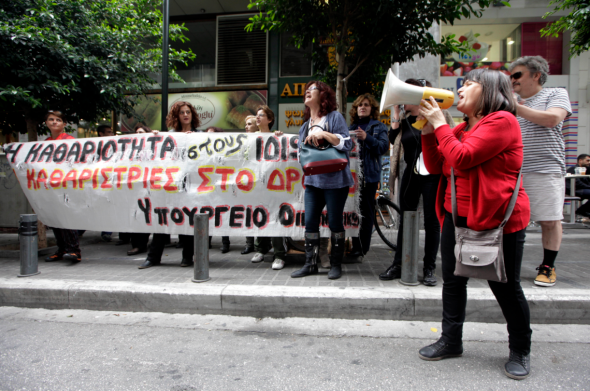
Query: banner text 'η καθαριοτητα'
[(250, 185)]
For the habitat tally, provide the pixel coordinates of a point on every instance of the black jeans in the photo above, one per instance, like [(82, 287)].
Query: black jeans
[(584, 210), (67, 240), (316, 199), (139, 240), (159, 241), (367, 209), (509, 295), (414, 185)]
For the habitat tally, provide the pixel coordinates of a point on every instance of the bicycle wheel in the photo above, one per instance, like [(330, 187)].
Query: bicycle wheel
[(387, 216)]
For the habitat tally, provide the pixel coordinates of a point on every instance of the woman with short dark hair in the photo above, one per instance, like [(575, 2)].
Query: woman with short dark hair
[(324, 190), (486, 155), (265, 119)]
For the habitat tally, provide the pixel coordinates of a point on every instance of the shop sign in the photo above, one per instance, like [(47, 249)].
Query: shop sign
[(293, 89), (224, 109)]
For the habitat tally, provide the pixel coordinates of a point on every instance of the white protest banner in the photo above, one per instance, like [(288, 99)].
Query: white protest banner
[(250, 185)]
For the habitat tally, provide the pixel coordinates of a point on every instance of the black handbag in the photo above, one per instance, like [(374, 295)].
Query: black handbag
[(322, 159)]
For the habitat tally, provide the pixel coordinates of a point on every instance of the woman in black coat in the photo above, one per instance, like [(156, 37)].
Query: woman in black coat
[(414, 185), (372, 141)]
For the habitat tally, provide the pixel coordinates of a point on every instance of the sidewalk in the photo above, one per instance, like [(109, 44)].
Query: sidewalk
[(108, 279)]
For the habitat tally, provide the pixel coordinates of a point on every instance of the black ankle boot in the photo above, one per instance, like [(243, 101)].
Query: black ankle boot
[(518, 366), (392, 272), (312, 249), (439, 350), (336, 255)]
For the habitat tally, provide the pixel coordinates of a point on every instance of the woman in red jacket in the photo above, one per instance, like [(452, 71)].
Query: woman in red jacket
[(486, 154)]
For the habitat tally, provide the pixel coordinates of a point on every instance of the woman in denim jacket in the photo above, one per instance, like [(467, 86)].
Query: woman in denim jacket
[(329, 189)]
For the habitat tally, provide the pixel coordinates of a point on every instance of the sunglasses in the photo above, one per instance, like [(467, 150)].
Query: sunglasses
[(422, 81), (516, 76)]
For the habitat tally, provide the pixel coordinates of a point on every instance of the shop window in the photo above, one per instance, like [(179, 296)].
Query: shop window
[(294, 61), (201, 71), (241, 55), (550, 48), (494, 46)]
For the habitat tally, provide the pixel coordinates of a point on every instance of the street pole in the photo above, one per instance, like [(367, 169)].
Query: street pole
[(411, 235), (201, 244), (27, 235), (166, 18)]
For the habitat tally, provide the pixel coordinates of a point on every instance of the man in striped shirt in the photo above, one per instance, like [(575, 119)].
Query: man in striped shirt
[(541, 113)]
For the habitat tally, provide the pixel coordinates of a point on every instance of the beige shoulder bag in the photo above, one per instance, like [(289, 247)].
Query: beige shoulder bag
[(479, 254)]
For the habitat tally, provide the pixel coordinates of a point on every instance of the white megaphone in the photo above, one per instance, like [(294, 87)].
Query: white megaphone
[(396, 92)]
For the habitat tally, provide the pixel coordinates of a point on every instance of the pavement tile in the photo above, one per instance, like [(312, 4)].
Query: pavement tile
[(106, 262)]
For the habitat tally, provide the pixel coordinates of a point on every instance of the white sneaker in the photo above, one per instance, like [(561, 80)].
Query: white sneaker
[(278, 264), (258, 257)]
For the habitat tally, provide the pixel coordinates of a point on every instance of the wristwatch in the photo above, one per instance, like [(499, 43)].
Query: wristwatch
[(395, 120)]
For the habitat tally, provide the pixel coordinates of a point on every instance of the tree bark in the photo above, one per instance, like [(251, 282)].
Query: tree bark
[(340, 91), (32, 133), (32, 128), (41, 234)]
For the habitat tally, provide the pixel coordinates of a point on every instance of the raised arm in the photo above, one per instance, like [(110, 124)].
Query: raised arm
[(549, 118), (379, 144)]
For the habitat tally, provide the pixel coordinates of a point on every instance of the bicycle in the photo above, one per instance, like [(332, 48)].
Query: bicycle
[(387, 216)]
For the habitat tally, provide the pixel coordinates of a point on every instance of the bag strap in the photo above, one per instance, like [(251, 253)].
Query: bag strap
[(453, 197), (509, 210), (307, 128), (512, 200)]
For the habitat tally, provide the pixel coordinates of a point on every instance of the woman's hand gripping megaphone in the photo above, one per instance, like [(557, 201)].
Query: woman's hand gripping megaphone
[(430, 111)]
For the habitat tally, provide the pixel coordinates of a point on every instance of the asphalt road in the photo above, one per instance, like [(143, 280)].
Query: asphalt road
[(92, 350)]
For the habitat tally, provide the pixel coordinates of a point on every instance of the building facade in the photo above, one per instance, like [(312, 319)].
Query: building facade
[(235, 71)]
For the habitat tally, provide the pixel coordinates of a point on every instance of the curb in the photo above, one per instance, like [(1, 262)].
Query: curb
[(416, 303)]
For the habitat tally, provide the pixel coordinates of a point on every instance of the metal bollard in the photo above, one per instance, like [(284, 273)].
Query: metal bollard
[(201, 247), (29, 245), (410, 248)]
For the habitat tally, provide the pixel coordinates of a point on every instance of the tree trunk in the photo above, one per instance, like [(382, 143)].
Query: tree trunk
[(32, 133), (32, 128), (340, 90), (41, 234)]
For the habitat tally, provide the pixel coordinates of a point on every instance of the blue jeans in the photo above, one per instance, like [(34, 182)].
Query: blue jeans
[(316, 199)]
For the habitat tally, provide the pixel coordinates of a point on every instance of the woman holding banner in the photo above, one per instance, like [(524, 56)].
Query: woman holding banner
[(323, 123), (265, 119), (68, 244), (181, 118), (139, 240)]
